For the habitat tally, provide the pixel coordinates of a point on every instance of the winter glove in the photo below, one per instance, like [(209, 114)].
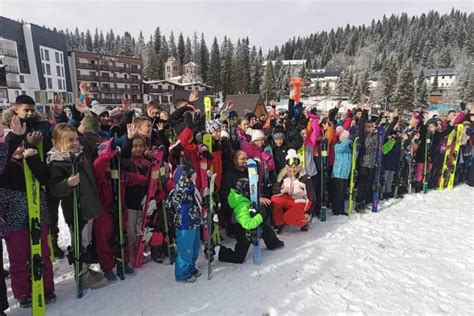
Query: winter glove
[(151, 207), (110, 149)]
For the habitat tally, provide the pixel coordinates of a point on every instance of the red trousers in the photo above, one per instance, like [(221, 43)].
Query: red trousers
[(287, 211), (104, 238), (18, 245)]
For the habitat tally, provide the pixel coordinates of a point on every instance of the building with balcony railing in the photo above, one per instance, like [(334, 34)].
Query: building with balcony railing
[(111, 78), (35, 63)]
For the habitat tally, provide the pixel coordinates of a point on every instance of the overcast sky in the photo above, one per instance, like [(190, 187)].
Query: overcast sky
[(266, 23)]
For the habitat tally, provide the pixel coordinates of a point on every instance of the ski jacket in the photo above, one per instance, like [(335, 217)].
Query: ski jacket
[(13, 201), (182, 201), (241, 207), (60, 165), (296, 188), (343, 160)]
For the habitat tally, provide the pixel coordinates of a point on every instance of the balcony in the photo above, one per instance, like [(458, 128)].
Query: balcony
[(139, 81), (13, 84), (87, 66), (8, 52), (12, 69), (88, 78), (114, 68), (136, 90), (109, 101)]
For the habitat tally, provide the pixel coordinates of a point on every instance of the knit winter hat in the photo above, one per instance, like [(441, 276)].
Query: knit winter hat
[(278, 133), (256, 135), (212, 126), (98, 109), (292, 158)]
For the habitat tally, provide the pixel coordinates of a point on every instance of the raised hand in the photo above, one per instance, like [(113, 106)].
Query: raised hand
[(194, 96), (229, 104), (132, 130), (34, 138), (28, 152), (17, 127), (82, 108)]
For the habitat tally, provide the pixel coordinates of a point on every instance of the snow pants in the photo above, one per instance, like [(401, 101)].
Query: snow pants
[(338, 194), (287, 211), (365, 179), (238, 254), (18, 245), (105, 238), (419, 168), (188, 243)]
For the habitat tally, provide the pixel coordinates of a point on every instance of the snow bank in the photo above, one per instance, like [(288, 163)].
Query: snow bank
[(414, 257)]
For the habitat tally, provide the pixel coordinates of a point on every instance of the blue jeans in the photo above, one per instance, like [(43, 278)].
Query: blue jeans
[(188, 245)]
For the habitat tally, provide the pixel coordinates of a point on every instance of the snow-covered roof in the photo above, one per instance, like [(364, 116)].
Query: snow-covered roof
[(429, 72), (170, 81), (287, 62)]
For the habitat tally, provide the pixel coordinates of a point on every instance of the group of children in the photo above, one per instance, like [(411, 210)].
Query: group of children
[(305, 167)]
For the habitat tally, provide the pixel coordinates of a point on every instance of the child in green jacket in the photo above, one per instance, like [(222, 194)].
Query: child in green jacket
[(245, 221)]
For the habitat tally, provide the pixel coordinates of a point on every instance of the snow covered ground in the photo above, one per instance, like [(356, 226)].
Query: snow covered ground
[(414, 257)]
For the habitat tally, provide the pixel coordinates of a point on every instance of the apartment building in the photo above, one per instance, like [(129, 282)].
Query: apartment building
[(111, 78), (33, 62)]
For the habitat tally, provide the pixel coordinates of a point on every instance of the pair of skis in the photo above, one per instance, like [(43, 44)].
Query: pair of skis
[(377, 183), (353, 176), (451, 157), (208, 180)]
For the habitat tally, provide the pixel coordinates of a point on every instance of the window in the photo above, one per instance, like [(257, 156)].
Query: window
[(48, 69), (60, 84), (61, 58), (175, 68), (58, 71), (442, 77), (42, 54), (17, 93), (44, 69), (64, 84), (56, 55), (23, 63), (46, 55), (22, 79), (50, 83), (23, 92)]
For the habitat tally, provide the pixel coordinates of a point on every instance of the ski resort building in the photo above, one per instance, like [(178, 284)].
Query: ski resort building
[(32, 61), (111, 78)]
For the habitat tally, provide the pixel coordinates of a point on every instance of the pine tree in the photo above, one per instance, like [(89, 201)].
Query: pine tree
[(140, 46), (88, 41), (196, 48), (110, 42), (95, 43), (157, 41), (117, 45), (388, 77), (227, 71), (256, 74), (126, 48), (203, 59), (76, 39), (405, 91), (188, 51), (364, 85), (469, 87), (172, 46), (163, 56), (434, 85), (150, 61), (421, 89), (267, 88), (214, 72), (181, 48), (102, 45)]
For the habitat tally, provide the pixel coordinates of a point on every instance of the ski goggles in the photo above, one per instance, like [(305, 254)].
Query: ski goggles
[(293, 162)]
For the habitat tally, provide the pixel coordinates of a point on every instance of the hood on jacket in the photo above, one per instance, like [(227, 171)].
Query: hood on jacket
[(235, 199), (8, 115)]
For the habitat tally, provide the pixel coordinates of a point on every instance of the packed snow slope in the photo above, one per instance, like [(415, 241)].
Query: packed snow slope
[(415, 256)]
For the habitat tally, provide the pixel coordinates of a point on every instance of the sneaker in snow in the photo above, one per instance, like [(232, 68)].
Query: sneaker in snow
[(279, 244), (110, 276), (50, 298), (191, 279), (25, 302), (93, 280), (129, 270), (196, 273)]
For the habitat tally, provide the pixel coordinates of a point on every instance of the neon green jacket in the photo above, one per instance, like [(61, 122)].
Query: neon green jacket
[(241, 207)]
